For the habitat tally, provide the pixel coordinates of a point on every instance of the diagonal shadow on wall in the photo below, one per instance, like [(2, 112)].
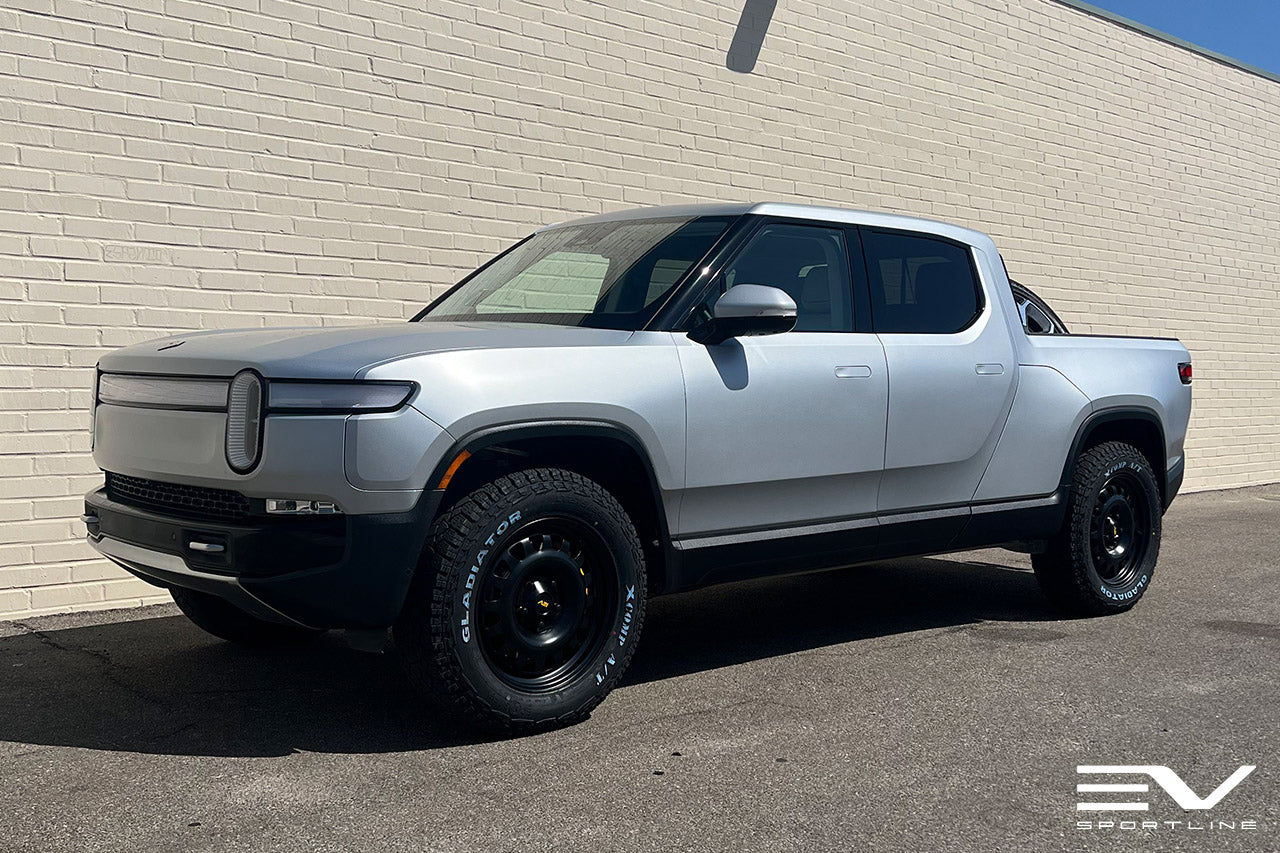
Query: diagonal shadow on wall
[(748, 38)]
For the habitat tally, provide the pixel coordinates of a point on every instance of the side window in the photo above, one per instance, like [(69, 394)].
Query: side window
[(919, 284), (808, 262)]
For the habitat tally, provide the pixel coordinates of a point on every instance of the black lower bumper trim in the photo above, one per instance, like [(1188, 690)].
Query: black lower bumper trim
[(333, 572), (167, 571)]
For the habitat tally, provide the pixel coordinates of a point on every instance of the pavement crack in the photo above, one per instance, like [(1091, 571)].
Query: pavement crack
[(102, 658)]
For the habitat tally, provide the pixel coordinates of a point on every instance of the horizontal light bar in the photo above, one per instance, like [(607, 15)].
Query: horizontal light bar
[(337, 396), (162, 392), (301, 506)]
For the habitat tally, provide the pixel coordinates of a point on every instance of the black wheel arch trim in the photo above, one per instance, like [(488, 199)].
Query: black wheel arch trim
[(496, 434), (1164, 482)]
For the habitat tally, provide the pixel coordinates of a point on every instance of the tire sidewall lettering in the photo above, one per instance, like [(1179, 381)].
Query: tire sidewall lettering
[(626, 617), (1120, 466), (466, 619), (1129, 594)]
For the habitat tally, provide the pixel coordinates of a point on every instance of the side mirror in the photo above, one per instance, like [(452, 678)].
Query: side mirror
[(746, 310)]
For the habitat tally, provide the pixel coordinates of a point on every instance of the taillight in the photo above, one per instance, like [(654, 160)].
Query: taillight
[(1184, 372)]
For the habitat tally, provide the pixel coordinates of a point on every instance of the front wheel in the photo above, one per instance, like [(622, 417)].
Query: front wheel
[(1103, 559), (527, 604)]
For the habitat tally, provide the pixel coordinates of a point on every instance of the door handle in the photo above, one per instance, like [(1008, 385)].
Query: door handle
[(989, 369), (853, 371)]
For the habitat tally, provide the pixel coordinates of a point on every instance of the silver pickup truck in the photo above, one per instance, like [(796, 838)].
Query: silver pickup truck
[(623, 406)]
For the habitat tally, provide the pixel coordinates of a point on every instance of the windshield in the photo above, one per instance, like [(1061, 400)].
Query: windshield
[(612, 275)]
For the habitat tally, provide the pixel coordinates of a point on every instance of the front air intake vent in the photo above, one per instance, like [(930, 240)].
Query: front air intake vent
[(177, 499), (244, 421)]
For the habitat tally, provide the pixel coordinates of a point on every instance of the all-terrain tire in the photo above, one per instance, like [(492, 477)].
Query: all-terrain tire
[(228, 622), (527, 603), (1103, 559)]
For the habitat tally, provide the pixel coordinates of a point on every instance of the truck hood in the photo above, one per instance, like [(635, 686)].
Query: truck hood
[(340, 352)]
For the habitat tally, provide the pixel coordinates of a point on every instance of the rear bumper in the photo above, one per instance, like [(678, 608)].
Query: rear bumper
[(1173, 480), (327, 572)]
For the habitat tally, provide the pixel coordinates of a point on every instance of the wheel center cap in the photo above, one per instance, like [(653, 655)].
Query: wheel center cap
[(539, 604), (1115, 529)]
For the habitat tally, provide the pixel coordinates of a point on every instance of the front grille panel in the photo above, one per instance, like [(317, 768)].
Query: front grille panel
[(163, 392), (177, 499)]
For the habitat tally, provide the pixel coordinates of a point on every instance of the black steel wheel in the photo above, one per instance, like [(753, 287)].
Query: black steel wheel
[(1103, 560), (545, 603), (1118, 538), (527, 604)]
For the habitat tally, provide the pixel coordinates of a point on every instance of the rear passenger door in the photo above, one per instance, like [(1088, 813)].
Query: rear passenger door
[(951, 376)]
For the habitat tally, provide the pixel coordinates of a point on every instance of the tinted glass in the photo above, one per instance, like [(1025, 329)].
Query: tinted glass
[(918, 284), (605, 274), (809, 263), (1035, 321), (1037, 317)]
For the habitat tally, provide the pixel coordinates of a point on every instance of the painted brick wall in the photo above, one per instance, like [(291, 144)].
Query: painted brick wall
[(169, 165)]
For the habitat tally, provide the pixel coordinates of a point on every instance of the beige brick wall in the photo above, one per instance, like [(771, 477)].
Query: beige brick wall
[(168, 165)]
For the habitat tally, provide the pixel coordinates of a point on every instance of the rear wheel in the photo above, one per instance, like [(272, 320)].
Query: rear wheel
[(1103, 559), (527, 604), (229, 622)]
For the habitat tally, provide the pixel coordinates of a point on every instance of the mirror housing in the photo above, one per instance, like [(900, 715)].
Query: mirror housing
[(748, 310)]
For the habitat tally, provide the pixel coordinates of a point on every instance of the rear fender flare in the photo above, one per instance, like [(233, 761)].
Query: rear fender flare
[(1104, 416)]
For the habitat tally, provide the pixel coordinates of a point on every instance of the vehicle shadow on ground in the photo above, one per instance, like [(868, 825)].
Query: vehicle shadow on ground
[(161, 686)]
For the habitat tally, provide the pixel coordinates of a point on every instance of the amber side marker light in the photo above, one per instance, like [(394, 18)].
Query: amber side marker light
[(1184, 372), (453, 468)]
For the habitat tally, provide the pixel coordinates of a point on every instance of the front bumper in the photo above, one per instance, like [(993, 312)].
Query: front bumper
[(349, 571)]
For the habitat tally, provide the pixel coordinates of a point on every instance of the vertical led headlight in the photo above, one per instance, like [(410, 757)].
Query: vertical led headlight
[(244, 421)]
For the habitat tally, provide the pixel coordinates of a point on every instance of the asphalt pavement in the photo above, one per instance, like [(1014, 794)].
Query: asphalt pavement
[(919, 705)]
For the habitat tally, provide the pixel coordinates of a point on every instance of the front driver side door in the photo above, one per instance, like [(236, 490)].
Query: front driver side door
[(785, 431)]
